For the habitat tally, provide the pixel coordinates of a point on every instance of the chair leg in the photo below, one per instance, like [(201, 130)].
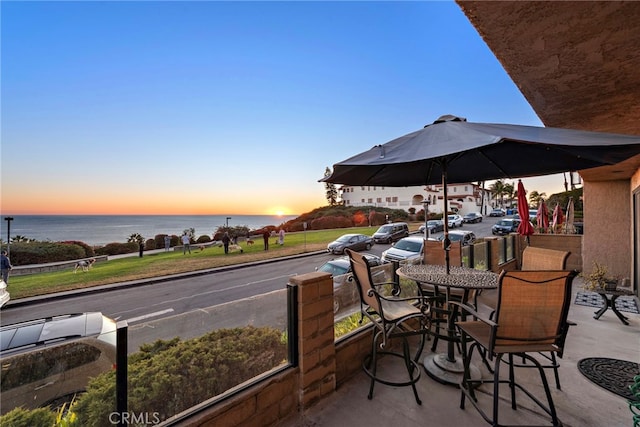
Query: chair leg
[(512, 382), (410, 368), (496, 388), (373, 363), (465, 373), (547, 391), (554, 363)]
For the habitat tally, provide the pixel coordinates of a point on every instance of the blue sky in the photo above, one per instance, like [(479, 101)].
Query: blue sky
[(226, 107)]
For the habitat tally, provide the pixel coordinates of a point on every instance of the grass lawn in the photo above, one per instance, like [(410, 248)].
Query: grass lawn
[(165, 263)]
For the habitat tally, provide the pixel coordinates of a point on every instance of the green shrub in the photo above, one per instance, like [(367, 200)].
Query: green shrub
[(23, 253), (203, 239), (150, 244), (18, 417), (331, 222), (88, 250), (117, 248), (168, 377), (159, 239)]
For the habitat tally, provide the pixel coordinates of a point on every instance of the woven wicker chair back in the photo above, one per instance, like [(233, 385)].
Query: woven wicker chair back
[(532, 306)]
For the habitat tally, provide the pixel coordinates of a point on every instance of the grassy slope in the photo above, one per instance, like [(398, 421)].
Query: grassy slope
[(154, 265)]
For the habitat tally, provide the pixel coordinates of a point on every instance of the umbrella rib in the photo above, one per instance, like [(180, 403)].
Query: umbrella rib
[(481, 152)]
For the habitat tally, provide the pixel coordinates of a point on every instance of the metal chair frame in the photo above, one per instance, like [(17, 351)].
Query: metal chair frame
[(391, 316), (519, 326)]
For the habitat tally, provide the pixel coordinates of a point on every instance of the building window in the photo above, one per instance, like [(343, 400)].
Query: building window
[(387, 199), (362, 200), (379, 200), (394, 199), (369, 200)]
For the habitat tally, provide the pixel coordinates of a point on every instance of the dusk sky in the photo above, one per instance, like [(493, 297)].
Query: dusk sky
[(226, 107)]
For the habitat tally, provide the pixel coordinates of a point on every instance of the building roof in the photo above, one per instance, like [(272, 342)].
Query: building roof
[(575, 62)]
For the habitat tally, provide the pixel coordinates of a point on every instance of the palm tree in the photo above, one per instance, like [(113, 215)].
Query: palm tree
[(135, 238), (510, 192), (535, 198), (498, 190)]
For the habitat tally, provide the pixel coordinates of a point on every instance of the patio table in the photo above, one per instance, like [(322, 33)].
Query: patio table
[(444, 367), (609, 298)]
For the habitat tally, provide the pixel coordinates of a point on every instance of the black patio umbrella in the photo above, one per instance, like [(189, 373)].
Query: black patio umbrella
[(452, 150)]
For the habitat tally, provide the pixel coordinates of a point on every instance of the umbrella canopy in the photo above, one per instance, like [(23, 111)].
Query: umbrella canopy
[(452, 150), (466, 151), (569, 228), (558, 218), (542, 217), (524, 228)]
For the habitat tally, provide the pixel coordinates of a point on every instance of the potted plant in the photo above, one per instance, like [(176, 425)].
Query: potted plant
[(599, 279)]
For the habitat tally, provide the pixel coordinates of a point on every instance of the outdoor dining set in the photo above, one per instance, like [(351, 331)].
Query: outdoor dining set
[(516, 318)]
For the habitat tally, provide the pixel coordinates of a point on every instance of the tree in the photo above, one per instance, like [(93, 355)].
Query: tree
[(498, 190), (135, 238), (510, 191), (332, 191), (535, 197)]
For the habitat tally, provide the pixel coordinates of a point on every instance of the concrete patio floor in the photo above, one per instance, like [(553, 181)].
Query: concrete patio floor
[(579, 403)]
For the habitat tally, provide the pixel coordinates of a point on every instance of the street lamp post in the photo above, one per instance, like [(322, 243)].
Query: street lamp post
[(425, 203), (8, 219)]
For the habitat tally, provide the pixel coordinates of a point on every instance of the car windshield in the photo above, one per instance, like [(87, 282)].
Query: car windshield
[(333, 269), (433, 222), (345, 238), (505, 222), (384, 229), (452, 216), (408, 245), (453, 237)]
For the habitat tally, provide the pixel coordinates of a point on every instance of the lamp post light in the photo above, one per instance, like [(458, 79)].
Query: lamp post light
[(8, 219), (228, 218), (425, 203)]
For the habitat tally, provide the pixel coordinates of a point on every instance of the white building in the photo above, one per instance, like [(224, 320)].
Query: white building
[(463, 198)]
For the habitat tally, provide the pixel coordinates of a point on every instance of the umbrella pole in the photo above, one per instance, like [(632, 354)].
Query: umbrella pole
[(446, 243)]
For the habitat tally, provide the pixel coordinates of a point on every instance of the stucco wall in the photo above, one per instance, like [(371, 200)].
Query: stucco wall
[(607, 224)]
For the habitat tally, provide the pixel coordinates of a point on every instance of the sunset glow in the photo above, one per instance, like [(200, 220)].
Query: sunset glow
[(208, 116)]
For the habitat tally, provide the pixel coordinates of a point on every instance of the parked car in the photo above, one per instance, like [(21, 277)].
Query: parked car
[(454, 221), (393, 232), (345, 292), (4, 294), (356, 242), (464, 236), (505, 226), (434, 226), (410, 250), (472, 217), (49, 360), (498, 212)]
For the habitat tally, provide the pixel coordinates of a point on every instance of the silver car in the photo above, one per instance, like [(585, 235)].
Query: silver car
[(47, 361), (345, 292)]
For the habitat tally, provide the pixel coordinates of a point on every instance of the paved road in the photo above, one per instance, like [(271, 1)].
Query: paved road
[(189, 305)]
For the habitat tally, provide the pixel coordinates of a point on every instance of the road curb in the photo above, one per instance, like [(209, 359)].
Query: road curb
[(22, 302)]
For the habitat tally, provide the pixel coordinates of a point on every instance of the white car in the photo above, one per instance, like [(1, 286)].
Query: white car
[(454, 221), (4, 294), (410, 250)]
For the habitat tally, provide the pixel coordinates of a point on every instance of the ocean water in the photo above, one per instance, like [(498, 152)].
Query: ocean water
[(98, 230)]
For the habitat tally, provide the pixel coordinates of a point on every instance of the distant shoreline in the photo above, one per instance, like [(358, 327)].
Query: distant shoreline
[(99, 230)]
